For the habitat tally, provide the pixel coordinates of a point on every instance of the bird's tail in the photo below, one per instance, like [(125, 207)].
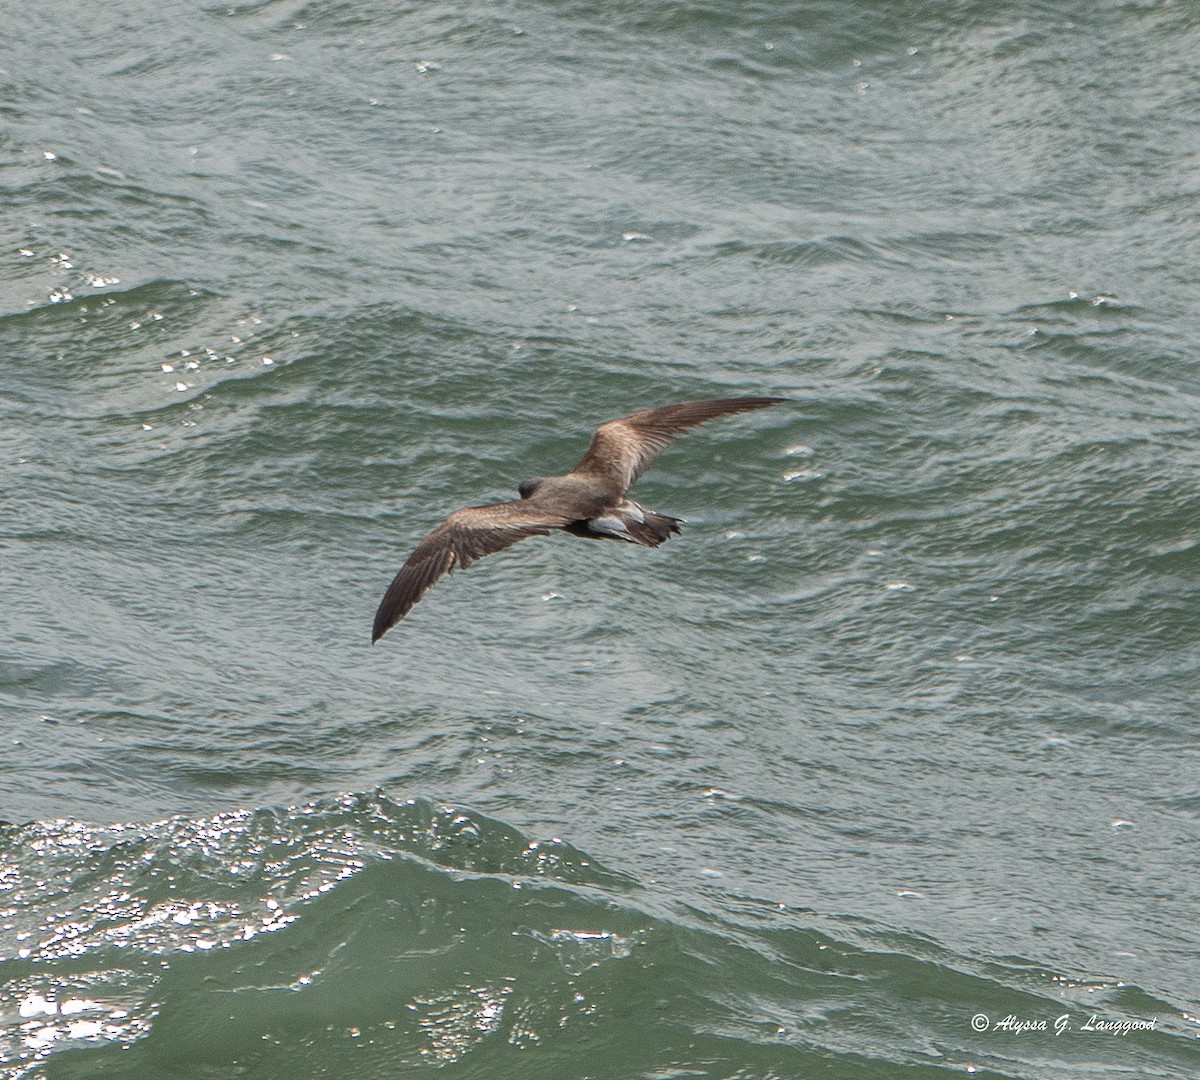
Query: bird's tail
[(654, 528), (635, 525)]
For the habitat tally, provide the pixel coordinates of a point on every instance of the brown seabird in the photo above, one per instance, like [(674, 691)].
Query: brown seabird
[(589, 501)]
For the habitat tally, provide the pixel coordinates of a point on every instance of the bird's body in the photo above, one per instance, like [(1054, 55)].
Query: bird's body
[(589, 501)]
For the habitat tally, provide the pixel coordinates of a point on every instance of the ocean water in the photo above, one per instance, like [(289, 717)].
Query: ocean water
[(886, 767)]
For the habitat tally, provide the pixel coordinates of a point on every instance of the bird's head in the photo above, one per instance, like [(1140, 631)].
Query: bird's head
[(528, 487)]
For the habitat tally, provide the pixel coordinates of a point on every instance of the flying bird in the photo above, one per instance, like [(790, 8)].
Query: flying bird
[(589, 501)]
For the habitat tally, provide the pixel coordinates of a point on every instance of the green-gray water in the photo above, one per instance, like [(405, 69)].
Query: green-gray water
[(900, 731)]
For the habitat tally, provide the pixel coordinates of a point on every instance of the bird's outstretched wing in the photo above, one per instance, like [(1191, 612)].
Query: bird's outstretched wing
[(624, 449), (466, 535)]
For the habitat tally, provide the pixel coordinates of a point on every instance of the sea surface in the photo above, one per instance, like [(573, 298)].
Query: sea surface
[(888, 767)]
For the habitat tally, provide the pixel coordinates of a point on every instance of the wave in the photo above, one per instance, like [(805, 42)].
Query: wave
[(363, 936)]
